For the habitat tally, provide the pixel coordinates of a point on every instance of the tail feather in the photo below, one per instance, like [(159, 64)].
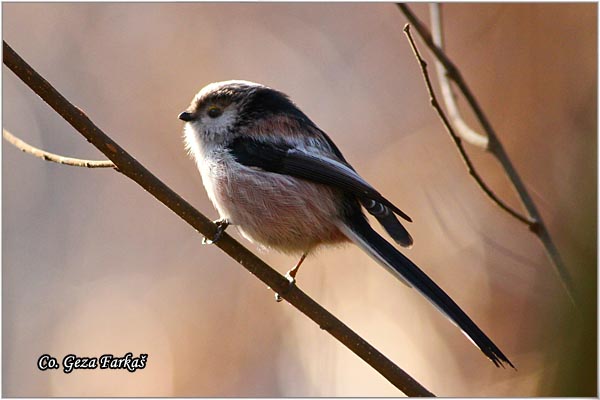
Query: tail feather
[(360, 232)]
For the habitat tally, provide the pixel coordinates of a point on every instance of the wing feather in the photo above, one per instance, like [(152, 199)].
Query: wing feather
[(283, 158)]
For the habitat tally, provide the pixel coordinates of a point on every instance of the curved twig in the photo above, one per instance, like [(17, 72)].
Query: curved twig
[(535, 222), (131, 168), (455, 138), (45, 155), (462, 128), (452, 72)]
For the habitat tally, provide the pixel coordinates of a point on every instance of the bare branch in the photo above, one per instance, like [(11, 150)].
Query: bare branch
[(457, 141), (463, 130), (451, 71), (44, 155), (131, 168), (534, 222)]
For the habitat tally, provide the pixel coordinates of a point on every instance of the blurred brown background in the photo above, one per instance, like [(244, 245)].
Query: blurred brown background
[(94, 265)]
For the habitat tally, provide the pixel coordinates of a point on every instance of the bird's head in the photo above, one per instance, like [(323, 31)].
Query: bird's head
[(224, 110)]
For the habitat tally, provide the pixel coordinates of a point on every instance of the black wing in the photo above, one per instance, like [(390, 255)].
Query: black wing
[(284, 159)]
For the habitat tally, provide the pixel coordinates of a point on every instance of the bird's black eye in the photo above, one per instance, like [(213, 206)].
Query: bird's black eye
[(214, 112)]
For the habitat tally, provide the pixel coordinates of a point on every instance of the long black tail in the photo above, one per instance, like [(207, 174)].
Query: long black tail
[(360, 232)]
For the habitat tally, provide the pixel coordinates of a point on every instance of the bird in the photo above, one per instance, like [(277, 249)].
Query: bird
[(283, 183)]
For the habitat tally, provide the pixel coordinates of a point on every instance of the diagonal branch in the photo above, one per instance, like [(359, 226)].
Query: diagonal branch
[(534, 220), (45, 155), (131, 168)]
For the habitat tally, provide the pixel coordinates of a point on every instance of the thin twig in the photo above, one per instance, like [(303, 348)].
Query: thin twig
[(131, 168), (535, 222), (451, 70), (45, 155), (462, 128), (423, 31), (455, 138)]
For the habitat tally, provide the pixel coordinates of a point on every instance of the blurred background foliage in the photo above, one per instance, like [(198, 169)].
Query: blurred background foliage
[(93, 265)]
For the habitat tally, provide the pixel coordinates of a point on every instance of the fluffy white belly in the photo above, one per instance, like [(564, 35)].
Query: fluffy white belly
[(277, 211)]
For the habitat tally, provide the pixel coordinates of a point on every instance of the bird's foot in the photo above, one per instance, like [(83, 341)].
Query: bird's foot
[(290, 276), (222, 224)]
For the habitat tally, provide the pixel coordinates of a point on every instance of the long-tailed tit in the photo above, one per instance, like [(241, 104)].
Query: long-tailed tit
[(270, 171)]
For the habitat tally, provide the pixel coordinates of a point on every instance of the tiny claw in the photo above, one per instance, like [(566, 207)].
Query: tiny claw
[(222, 224), (292, 282), (290, 278)]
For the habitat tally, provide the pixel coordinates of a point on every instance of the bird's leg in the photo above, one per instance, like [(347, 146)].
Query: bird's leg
[(291, 275), (222, 224)]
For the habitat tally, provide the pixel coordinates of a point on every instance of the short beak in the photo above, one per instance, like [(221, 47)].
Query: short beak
[(186, 116)]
